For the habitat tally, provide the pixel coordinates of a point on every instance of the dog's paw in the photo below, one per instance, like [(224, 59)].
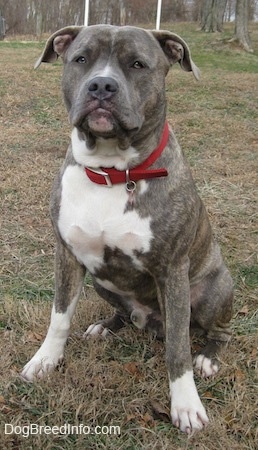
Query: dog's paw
[(96, 330), (40, 365), (206, 366), (189, 418), (45, 360), (139, 318), (187, 411)]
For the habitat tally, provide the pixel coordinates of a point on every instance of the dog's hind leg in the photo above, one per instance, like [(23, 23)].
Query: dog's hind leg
[(213, 313), (118, 320), (69, 277), (105, 327)]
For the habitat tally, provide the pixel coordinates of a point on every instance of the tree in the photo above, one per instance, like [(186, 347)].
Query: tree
[(122, 12), (212, 15), (241, 25)]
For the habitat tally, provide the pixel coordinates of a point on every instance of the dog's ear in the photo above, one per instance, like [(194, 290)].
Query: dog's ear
[(57, 44), (176, 50)]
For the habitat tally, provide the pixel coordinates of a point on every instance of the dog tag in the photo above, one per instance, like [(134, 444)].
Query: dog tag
[(130, 187)]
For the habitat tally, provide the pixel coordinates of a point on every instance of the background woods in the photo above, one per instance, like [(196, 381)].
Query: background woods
[(45, 16)]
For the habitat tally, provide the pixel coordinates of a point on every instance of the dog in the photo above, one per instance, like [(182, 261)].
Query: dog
[(124, 207)]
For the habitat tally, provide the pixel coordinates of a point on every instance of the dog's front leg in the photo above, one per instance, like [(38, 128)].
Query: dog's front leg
[(69, 276), (187, 411)]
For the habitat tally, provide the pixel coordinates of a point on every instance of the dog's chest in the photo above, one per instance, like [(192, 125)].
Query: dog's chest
[(93, 217)]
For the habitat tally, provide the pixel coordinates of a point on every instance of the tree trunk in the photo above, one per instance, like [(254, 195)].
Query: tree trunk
[(122, 12), (212, 15), (241, 26), (39, 24), (229, 10), (221, 14)]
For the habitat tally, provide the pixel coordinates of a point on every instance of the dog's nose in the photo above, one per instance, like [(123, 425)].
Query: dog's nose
[(102, 87)]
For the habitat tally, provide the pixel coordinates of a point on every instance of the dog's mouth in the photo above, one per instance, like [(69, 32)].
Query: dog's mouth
[(101, 122), (95, 119)]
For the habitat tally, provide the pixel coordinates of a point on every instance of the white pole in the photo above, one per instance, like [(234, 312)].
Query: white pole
[(158, 14), (86, 13)]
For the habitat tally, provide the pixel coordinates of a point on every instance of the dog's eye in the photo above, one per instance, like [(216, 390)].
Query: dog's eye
[(138, 65), (81, 60)]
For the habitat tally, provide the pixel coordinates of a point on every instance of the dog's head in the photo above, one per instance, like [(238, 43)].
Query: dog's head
[(114, 77)]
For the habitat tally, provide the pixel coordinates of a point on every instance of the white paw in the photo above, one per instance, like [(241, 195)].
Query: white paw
[(96, 329), (47, 357), (40, 365), (139, 318), (187, 411), (205, 366)]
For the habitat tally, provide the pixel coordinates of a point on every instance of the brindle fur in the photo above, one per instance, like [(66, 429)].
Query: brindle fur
[(183, 275)]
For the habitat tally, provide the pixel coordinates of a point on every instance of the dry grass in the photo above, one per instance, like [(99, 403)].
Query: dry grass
[(123, 381)]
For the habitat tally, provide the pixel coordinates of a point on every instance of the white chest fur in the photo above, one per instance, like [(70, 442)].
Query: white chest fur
[(93, 216)]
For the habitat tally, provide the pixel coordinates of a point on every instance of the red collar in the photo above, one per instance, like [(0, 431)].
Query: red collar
[(110, 176)]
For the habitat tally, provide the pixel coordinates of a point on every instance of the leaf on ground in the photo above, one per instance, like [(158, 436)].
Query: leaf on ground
[(4, 408), (253, 354), (208, 394), (239, 376), (32, 336), (147, 420), (229, 418), (14, 370), (159, 411), (196, 347), (130, 417), (244, 310), (252, 359), (133, 369)]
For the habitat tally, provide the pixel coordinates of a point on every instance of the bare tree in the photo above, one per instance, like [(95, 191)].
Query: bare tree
[(222, 4), (173, 10), (15, 15), (212, 15), (122, 12), (230, 10), (241, 25), (196, 10)]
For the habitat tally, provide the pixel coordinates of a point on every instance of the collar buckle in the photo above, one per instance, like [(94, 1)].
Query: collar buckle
[(105, 175)]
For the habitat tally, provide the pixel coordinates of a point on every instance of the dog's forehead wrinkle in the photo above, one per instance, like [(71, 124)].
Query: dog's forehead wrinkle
[(114, 39), (90, 40), (138, 44), (90, 46)]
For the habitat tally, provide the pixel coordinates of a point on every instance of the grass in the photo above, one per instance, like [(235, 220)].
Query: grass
[(123, 381)]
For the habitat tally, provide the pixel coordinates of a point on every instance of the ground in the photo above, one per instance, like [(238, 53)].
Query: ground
[(123, 381)]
